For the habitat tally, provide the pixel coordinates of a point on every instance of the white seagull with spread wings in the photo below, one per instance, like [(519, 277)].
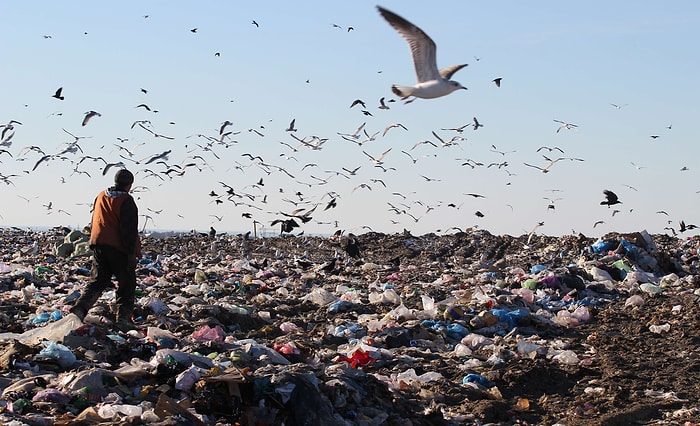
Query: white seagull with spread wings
[(432, 83)]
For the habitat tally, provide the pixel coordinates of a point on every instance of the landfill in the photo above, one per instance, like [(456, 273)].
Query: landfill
[(467, 328)]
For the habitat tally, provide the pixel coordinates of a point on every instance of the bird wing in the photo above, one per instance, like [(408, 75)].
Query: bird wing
[(421, 45), (611, 196), (383, 154), (448, 72), (44, 158)]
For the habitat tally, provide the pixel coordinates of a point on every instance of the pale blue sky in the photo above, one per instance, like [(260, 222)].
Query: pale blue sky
[(557, 62)]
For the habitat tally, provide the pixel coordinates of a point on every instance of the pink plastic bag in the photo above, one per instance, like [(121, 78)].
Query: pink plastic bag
[(207, 334)]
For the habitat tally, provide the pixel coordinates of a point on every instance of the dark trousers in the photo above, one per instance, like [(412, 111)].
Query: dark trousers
[(108, 261)]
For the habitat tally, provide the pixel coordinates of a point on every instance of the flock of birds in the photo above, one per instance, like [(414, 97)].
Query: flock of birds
[(304, 203)]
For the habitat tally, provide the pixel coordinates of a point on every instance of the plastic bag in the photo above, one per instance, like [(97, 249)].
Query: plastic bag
[(187, 379), (61, 354), (358, 359), (208, 334), (320, 296), (115, 411), (55, 331)]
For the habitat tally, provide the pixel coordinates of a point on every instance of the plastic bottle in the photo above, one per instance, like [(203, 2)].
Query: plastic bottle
[(40, 270)]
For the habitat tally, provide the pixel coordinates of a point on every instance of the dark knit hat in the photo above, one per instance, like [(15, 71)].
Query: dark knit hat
[(123, 178)]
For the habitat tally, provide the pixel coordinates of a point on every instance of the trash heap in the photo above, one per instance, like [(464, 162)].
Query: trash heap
[(466, 328)]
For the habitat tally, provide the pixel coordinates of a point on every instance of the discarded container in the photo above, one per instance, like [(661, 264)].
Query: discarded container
[(59, 353), (660, 329), (567, 357), (477, 379)]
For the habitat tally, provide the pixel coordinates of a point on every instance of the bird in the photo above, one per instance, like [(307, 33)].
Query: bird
[(255, 23), (89, 115), (431, 82), (358, 102), (223, 126), (546, 168), (550, 149), (331, 204), (110, 165), (477, 124), (58, 94), (382, 104), (459, 129), (161, 156), (392, 126), (352, 172), (356, 134), (410, 156), (610, 198), (41, 160), (497, 81), (684, 227), (291, 126), (378, 160), (362, 185), (564, 125), (351, 246), (287, 225)]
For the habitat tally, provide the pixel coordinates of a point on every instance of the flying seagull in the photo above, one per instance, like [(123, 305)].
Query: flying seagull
[(564, 125), (431, 82), (392, 126), (291, 127), (89, 115), (382, 104)]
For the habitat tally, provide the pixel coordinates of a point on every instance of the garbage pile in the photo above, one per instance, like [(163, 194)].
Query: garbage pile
[(371, 329)]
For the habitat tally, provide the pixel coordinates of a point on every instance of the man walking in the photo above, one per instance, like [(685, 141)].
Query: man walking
[(116, 247)]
